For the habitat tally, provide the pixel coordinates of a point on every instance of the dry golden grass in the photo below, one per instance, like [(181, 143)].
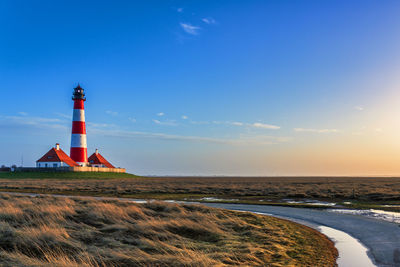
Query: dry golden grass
[(361, 188), (48, 231)]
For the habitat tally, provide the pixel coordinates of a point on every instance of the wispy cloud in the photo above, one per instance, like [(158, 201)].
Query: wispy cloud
[(265, 126), (309, 130), (190, 29), (240, 124), (100, 125), (359, 108), (179, 9), (112, 113), (236, 123), (209, 20), (23, 113), (114, 130), (184, 117), (62, 115), (36, 122), (167, 123), (132, 119), (242, 140), (160, 114)]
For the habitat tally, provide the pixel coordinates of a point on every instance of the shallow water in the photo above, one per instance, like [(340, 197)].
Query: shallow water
[(351, 252), (310, 202), (389, 216)]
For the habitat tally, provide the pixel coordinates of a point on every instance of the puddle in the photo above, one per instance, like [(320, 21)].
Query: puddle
[(389, 216), (310, 202), (215, 199), (351, 251)]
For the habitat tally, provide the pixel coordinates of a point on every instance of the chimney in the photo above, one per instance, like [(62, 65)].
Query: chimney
[(57, 146), (97, 151)]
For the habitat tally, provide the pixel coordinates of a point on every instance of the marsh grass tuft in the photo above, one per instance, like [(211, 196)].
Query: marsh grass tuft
[(48, 231)]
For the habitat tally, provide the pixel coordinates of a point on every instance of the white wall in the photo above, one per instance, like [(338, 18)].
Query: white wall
[(98, 165), (50, 164)]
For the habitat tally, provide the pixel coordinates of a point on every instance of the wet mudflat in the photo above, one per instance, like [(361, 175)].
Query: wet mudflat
[(381, 238)]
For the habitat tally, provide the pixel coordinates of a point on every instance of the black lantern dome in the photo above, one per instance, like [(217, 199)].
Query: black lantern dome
[(78, 93)]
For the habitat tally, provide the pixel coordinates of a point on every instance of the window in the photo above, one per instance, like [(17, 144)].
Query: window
[(54, 165), (45, 165), (49, 157)]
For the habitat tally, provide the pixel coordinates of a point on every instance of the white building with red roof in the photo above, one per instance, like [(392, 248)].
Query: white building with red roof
[(56, 157), (97, 160)]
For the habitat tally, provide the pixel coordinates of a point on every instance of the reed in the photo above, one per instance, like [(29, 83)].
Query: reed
[(49, 231)]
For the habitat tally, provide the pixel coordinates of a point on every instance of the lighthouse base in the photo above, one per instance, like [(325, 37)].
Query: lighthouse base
[(96, 169), (72, 169)]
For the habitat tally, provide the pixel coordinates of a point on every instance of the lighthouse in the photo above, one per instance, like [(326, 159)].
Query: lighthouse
[(78, 136), (78, 160)]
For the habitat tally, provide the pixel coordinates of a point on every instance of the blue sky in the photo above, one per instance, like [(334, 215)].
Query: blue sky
[(206, 87)]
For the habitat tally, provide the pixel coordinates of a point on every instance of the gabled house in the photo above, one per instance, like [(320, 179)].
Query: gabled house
[(56, 157), (97, 160)]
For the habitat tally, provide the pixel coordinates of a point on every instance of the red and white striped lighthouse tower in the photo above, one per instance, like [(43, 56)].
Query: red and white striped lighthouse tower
[(78, 136)]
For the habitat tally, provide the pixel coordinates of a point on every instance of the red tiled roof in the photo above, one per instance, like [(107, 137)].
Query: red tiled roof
[(99, 159), (55, 155)]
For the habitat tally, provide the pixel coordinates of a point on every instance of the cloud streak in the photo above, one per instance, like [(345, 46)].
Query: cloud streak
[(265, 126), (112, 113), (359, 108), (65, 116), (36, 122), (190, 29), (310, 130), (242, 140), (104, 129), (239, 124), (167, 123), (236, 123), (209, 20)]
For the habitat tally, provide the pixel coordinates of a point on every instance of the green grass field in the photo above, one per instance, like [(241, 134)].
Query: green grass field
[(65, 175)]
